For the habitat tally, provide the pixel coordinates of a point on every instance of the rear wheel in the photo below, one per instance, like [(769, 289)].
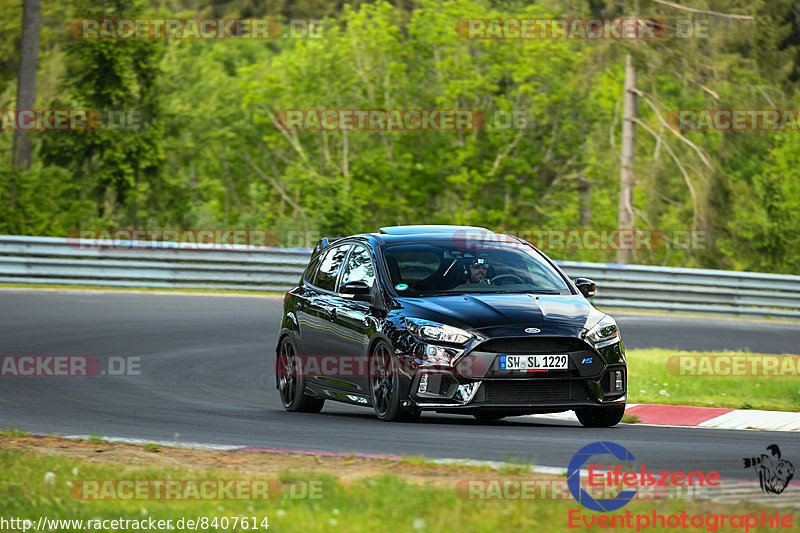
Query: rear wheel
[(291, 384), (600, 417), (384, 384)]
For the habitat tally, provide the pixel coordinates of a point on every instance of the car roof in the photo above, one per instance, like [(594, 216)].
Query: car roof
[(425, 229), (410, 234), (424, 233)]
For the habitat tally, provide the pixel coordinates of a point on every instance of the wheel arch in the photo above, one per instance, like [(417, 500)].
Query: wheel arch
[(376, 339)]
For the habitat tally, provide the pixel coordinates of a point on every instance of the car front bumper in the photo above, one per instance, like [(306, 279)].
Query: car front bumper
[(594, 378)]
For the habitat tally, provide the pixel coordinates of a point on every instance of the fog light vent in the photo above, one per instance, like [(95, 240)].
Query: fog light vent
[(464, 393), (423, 384)]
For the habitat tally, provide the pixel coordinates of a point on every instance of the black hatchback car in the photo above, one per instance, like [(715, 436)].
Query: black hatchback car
[(449, 319)]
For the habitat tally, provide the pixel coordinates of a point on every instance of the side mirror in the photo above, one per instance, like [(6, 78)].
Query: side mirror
[(356, 290), (586, 286)]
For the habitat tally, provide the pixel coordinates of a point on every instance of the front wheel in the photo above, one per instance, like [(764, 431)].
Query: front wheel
[(385, 387), (600, 417), (291, 384)]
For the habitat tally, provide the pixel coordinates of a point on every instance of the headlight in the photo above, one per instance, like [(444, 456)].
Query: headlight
[(434, 331), (604, 333)]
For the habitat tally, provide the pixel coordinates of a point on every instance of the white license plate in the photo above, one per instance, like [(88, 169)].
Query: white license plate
[(533, 362)]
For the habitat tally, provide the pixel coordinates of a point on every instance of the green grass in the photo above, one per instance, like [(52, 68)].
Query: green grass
[(35, 485), (13, 432), (630, 419), (512, 465), (650, 381), (415, 460)]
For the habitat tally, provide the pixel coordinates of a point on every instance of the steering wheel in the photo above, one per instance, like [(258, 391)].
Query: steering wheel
[(502, 276)]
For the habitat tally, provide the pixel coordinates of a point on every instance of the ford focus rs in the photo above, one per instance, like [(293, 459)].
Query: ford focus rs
[(448, 319)]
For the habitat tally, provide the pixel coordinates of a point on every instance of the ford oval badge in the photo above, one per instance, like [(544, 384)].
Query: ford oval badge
[(532, 330)]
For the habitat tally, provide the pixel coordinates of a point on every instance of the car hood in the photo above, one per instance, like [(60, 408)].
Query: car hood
[(492, 311)]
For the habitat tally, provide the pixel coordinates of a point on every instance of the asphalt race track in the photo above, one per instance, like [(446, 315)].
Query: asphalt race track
[(206, 375)]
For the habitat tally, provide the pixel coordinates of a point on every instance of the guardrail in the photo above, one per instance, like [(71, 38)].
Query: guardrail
[(50, 260)]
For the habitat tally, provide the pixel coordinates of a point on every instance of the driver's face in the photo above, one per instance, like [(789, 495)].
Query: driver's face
[(476, 275)]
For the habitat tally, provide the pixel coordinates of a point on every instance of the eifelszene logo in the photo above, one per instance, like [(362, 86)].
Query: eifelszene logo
[(630, 476), (574, 476), (774, 473)]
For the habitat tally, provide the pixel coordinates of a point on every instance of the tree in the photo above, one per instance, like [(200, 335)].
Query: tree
[(627, 158), (120, 169), (26, 82)]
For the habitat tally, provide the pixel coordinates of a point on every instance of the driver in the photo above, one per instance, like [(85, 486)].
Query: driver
[(477, 270)]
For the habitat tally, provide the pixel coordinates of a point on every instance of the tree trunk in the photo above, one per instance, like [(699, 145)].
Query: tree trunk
[(628, 152), (26, 84)]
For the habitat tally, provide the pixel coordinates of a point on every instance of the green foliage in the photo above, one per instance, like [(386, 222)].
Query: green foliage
[(119, 171), (42, 200), (630, 419), (95, 437), (763, 234), (653, 379), (13, 433), (211, 155), (10, 33)]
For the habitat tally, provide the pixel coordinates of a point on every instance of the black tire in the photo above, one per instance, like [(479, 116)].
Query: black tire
[(488, 416), (384, 382), (600, 417), (291, 385)]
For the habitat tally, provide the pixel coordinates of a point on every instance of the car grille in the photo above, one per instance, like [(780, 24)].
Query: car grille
[(526, 391), (526, 345)]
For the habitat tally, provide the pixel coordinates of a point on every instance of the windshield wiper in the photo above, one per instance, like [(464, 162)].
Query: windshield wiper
[(439, 293), (462, 293), (534, 291)]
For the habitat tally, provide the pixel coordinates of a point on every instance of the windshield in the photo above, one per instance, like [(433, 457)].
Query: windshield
[(440, 268)]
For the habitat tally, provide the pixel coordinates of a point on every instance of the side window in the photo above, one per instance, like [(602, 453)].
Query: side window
[(311, 270), (359, 267), (329, 267)]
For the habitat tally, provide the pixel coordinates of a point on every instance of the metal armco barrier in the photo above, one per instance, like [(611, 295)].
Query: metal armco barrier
[(51, 260)]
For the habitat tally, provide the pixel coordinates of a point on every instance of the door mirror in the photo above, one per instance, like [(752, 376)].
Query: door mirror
[(356, 290), (586, 286)]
